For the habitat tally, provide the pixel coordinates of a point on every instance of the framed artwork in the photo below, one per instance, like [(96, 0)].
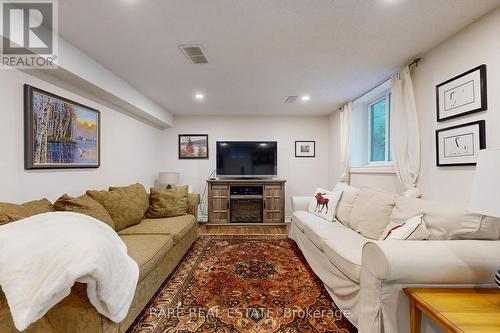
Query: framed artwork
[(59, 133), (459, 145), (305, 148), (193, 146), (462, 95)]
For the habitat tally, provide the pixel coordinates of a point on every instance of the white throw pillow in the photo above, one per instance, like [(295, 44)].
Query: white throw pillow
[(412, 229), (324, 203)]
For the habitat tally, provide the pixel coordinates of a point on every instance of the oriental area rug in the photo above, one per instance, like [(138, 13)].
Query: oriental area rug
[(242, 283)]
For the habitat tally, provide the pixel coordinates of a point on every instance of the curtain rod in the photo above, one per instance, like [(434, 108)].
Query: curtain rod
[(374, 87), (414, 62)]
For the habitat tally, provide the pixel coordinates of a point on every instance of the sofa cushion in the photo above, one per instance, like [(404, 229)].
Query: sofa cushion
[(168, 202), (12, 212), (371, 212), (84, 205), (301, 218), (344, 250), (177, 227), (317, 233), (147, 250), (126, 206), (489, 229), (443, 220), (345, 207)]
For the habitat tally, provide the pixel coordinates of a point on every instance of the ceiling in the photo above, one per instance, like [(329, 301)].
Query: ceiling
[(260, 51)]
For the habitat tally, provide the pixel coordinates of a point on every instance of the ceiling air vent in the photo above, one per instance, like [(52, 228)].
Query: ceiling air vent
[(194, 53), (291, 99)]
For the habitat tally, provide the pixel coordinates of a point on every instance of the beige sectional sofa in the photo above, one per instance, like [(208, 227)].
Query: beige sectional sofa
[(365, 276), (157, 245)]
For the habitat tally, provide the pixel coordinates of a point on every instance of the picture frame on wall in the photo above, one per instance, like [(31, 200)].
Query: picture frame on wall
[(305, 148), (462, 95), (59, 133), (459, 145), (193, 146)]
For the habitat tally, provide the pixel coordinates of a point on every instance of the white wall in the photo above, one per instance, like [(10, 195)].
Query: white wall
[(477, 44), (303, 175), (129, 148)]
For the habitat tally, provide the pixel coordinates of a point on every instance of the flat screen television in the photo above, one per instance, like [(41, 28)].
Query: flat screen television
[(247, 159)]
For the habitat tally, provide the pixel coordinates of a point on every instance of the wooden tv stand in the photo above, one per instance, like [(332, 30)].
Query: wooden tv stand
[(246, 201)]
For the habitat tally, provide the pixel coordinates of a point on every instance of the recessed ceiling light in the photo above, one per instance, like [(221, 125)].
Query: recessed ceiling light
[(305, 98), (199, 96)]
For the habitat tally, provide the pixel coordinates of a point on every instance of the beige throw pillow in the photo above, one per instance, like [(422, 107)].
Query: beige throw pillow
[(371, 211), (345, 207), (125, 205), (137, 193), (168, 202), (12, 212), (84, 205)]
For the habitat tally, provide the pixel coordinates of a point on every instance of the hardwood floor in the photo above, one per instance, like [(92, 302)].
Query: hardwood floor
[(242, 230)]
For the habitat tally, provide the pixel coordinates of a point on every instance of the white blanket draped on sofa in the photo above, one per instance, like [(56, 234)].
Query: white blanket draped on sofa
[(42, 256)]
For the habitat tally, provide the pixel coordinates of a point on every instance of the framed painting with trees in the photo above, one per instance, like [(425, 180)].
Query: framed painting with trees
[(59, 133)]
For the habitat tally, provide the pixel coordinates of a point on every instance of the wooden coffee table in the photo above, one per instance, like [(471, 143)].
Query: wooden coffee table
[(456, 310)]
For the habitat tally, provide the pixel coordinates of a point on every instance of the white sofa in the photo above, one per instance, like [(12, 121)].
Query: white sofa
[(366, 276)]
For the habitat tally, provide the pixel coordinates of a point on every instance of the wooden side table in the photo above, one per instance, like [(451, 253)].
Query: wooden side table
[(456, 310)]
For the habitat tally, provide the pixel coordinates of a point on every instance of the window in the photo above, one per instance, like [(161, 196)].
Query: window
[(378, 129), (370, 138)]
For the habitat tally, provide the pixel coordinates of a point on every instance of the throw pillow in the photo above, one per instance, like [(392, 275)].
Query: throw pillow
[(168, 202), (443, 220), (412, 229), (12, 212), (345, 188), (84, 205), (345, 207), (371, 211), (125, 205), (138, 193), (324, 204)]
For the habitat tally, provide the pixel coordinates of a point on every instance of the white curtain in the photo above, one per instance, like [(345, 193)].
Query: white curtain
[(345, 141), (405, 133)]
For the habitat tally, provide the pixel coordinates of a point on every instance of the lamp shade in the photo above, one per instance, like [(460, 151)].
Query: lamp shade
[(168, 178), (485, 195)]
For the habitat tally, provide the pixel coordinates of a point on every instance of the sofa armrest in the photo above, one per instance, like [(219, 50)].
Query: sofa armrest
[(427, 262), (193, 203), (300, 203)]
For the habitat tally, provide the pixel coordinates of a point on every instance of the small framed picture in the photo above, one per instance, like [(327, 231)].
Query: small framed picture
[(193, 146), (459, 145), (462, 95), (305, 148)]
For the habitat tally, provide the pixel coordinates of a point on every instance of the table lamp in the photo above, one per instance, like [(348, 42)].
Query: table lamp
[(168, 179), (485, 193)]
